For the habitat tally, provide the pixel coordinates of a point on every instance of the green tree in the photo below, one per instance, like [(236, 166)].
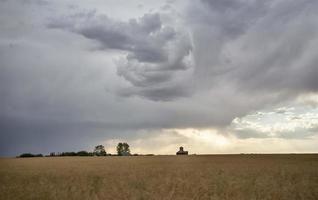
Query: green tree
[(126, 149), (99, 150), (123, 149), (120, 149)]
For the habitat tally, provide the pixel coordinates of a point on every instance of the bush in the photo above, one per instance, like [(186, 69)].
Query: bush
[(30, 155)]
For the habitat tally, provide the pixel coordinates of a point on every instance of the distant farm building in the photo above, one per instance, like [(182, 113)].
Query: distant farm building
[(182, 152)]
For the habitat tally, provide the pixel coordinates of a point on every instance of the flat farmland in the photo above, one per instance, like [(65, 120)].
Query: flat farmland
[(246, 176)]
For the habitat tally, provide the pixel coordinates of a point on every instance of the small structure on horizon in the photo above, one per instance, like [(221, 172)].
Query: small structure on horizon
[(182, 152)]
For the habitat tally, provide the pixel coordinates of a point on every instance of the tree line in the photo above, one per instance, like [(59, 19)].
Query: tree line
[(123, 149)]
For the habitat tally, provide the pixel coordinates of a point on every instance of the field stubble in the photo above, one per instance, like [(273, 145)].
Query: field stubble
[(161, 177)]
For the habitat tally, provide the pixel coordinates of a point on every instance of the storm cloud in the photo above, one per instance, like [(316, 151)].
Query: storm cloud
[(249, 45), (153, 53), (103, 71)]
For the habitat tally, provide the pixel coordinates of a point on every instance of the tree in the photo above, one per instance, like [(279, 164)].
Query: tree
[(123, 149), (120, 149), (126, 149), (99, 150)]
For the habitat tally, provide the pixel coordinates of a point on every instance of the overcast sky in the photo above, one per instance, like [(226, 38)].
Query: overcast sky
[(214, 76)]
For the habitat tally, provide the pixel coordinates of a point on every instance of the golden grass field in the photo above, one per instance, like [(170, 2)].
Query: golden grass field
[(161, 177)]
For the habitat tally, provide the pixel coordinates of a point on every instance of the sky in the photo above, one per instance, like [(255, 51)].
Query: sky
[(214, 76)]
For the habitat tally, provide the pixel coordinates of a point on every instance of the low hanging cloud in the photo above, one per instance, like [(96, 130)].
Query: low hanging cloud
[(154, 54), (251, 46)]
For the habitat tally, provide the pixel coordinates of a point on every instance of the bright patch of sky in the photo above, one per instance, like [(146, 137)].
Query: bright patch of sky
[(299, 120)]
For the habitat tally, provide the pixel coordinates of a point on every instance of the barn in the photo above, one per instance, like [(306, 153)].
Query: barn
[(182, 152)]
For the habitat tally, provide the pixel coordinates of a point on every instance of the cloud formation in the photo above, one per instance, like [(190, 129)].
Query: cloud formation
[(252, 46), (154, 53), (286, 123), (119, 69), (257, 46)]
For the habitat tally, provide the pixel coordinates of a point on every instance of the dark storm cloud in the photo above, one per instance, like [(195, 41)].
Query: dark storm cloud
[(155, 52), (233, 44), (53, 135), (199, 68), (258, 45)]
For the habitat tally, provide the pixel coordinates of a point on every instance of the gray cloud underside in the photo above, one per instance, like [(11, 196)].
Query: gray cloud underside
[(219, 60), (252, 46), (154, 53)]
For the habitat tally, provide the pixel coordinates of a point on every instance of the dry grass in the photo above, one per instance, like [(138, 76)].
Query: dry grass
[(161, 177)]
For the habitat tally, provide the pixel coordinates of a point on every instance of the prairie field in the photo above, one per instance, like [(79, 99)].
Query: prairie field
[(246, 176)]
